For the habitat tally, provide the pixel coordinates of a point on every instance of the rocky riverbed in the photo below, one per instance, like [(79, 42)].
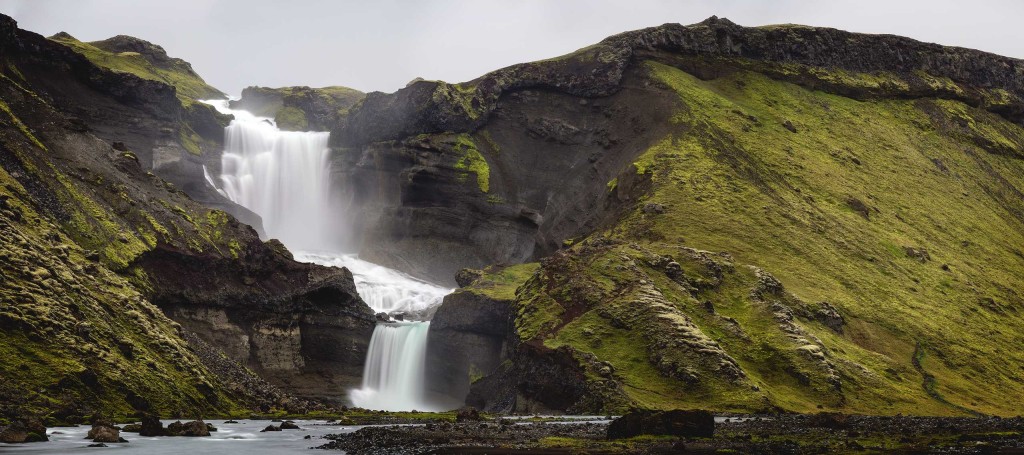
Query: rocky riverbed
[(796, 434)]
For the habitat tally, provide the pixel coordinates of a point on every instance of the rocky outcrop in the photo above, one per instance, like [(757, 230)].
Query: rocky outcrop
[(128, 91), (299, 108), (467, 338), (300, 326), (23, 430)]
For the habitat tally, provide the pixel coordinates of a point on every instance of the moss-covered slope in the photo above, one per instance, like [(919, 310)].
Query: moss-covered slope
[(891, 230), (777, 218), (92, 243), (144, 59)]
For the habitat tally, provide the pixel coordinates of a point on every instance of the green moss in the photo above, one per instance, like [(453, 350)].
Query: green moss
[(178, 74), (500, 283), (291, 119), (472, 160), (190, 140)]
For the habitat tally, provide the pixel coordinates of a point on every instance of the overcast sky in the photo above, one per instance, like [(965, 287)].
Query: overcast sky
[(383, 44)]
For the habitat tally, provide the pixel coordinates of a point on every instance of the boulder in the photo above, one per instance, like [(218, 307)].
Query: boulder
[(467, 414), (270, 428), (132, 428), (289, 425), (25, 430), (105, 433), (151, 426), (673, 423), (193, 428)]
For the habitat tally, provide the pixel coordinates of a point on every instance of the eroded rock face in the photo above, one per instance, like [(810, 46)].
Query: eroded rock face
[(310, 340), (467, 340)]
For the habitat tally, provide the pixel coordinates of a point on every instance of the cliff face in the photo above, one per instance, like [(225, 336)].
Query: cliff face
[(127, 90), (95, 246), (299, 108), (740, 218)]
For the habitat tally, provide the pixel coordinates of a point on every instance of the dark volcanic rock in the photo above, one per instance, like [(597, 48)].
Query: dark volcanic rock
[(673, 423), (103, 432), (23, 430), (192, 428), (151, 426), (467, 414), (319, 108), (467, 337)]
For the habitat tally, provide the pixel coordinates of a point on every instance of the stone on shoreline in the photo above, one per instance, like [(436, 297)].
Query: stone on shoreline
[(675, 423)]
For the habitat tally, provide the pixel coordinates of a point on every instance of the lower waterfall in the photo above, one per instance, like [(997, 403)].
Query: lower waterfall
[(393, 377), (285, 178)]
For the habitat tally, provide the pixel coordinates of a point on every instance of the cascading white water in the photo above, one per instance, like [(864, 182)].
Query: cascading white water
[(394, 370), (285, 178)]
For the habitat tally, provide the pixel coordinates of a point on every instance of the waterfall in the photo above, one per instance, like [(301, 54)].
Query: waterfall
[(394, 370), (285, 178)]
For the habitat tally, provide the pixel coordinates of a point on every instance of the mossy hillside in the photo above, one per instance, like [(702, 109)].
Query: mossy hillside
[(852, 204), (177, 73), (79, 338), (75, 215), (832, 208)]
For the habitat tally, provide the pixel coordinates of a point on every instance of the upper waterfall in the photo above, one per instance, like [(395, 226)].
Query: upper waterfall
[(283, 176)]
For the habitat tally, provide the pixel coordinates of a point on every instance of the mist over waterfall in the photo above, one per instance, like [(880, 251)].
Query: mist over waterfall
[(285, 178)]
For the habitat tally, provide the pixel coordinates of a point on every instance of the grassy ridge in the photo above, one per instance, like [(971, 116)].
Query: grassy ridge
[(177, 73), (903, 215)]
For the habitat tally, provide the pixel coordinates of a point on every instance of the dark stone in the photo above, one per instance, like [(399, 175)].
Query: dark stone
[(151, 426), (830, 420), (672, 423), (24, 430), (132, 428), (119, 146), (653, 208), (789, 126), (467, 414), (920, 254), (104, 433), (289, 425), (860, 207), (270, 428), (466, 277)]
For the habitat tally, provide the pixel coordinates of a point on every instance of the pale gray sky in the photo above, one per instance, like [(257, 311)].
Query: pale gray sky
[(381, 45)]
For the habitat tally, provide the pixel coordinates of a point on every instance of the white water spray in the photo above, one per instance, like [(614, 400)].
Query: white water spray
[(285, 178)]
